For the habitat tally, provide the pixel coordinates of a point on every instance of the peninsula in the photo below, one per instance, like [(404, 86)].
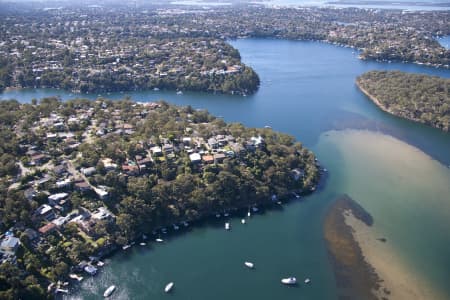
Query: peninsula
[(416, 97), (82, 178)]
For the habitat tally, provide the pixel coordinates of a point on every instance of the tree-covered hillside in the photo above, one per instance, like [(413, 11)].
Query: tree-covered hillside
[(417, 97)]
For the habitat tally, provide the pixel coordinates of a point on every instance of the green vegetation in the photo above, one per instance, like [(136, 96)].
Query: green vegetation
[(159, 165), (420, 98)]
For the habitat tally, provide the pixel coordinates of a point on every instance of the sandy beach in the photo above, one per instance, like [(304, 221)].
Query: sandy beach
[(396, 277)]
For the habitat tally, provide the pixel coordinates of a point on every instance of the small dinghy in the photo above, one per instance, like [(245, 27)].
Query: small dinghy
[(227, 226), (249, 264), (307, 280), (243, 221), (168, 287), (289, 281), (159, 240), (109, 291)]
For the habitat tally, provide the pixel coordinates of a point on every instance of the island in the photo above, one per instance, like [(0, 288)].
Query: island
[(417, 97), (96, 49), (80, 179)]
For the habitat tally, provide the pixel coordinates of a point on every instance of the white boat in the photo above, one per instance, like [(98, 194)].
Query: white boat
[(142, 244), (249, 264), (307, 280), (76, 277), (226, 214), (175, 227), (159, 240), (168, 287), (109, 291), (249, 214), (289, 281), (179, 93), (217, 215), (64, 291), (125, 247), (255, 209), (227, 226), (185, 224), (156, 89), (243, 221), (100, 263)]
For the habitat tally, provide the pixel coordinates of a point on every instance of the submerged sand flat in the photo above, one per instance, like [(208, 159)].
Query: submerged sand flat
[(408, 195), (395, 275)]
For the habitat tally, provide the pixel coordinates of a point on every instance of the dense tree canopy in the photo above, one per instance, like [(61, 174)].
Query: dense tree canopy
[(417, 97)]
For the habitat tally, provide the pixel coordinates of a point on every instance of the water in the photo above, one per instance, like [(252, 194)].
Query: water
[(385, 4), (395, 168)]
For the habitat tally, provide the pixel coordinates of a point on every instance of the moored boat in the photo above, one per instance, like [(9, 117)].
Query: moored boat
[(159, 240), (227, 226), (249, 264), (307, 280), (76, 277), (168, 287), (289, 281), (243, 221), (109, 291)]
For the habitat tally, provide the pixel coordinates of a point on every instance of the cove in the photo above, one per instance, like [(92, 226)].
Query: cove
[(307, 91)]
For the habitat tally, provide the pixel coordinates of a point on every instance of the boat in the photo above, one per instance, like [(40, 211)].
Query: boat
[(227, 226), (243, 221), (217, 215), (125, 247), (226, 214), (249, 214), (91, 270), (307, 280), (142, 244), (179, 93), (156, 89), (100, 263), (76, 277), (255, 209), (64, 291), (109, 291), (168, 287), (249, 264), (185, 224), (289, 281), (159, 240), (175, 227)]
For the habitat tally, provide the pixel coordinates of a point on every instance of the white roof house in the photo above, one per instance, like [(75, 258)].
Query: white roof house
[(195, 157), (9, 245)]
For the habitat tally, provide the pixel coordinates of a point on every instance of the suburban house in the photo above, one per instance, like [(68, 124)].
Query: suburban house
[(9, 245)]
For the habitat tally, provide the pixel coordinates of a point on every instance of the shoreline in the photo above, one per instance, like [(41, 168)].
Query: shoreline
[(365, 264), (377, 102)]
